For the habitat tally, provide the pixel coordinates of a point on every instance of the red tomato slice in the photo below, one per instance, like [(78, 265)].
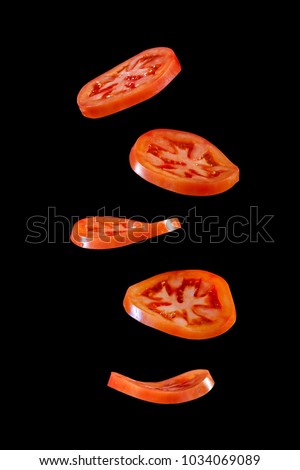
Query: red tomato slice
[(131, 82), (182, 162), (192, 304), (184, 387), (102, 233)]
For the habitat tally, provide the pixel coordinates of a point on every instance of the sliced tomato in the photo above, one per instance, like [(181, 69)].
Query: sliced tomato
[(131, 82), (192, 304), (182, 162), (181, 388), (102, 233)]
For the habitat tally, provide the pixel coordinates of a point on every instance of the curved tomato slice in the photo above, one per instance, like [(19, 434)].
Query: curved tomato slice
[(182, 162), (102, 233), (184, 387), (192, 304), (129, 83)]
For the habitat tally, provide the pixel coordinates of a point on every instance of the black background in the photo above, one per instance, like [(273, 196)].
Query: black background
[(71, 329)]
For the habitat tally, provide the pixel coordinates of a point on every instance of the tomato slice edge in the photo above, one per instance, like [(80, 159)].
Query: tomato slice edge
[(181, 388), (108, 232)]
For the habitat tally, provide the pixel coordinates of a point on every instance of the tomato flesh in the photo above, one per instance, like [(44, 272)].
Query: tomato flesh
[(192, 304), (135, 80), (181, 388), (106, 232), (182, 162)]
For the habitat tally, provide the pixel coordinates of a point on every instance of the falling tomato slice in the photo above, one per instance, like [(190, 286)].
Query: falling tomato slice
[(102, 233), (181, 388), (131, 82), (192, 304), (182, 162)]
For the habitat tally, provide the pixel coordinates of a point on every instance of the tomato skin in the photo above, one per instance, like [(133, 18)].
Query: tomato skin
[(179, 389), (191, 304), (102, 233), (182, 162), (129, 83)]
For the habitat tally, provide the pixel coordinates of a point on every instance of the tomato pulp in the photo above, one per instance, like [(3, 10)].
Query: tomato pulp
[(182, 162), (192, 304), (129, 83), (181, 388)]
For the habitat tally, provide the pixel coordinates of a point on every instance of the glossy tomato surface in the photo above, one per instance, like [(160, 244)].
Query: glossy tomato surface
[(192, 304), (181, 388), (129, 83), (182, 162)]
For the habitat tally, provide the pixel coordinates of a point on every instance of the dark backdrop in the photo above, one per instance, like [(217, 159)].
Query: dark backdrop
[(71, 329)]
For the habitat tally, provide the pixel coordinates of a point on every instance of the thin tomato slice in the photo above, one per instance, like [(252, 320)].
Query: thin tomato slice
[(101, 233), (182, 162), (181, 388), (192, 304), (129, 83)]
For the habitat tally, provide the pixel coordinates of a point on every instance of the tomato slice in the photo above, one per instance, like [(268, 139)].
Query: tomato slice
[(182, 162), (192, 304), (131, 82), (181, 388), (102, 233)]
